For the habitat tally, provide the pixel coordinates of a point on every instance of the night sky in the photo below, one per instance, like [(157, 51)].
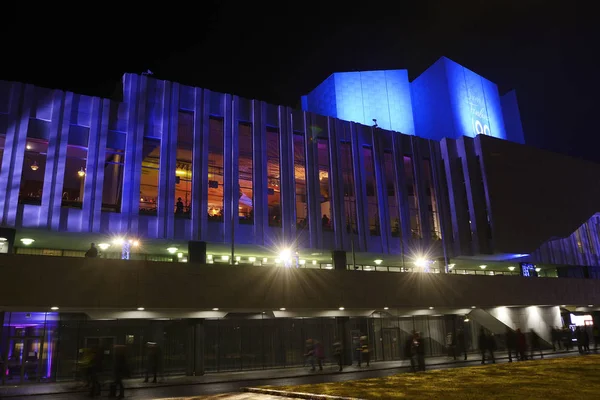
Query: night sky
[(277, 51)]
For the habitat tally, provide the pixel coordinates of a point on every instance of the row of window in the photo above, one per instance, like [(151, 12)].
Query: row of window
[(34, 170)]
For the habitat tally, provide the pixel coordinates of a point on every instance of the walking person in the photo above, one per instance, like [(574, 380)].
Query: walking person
[(319, 354), (491, 346), (364, 349), (309, 354), (411, 353), (96, 364), (521, 345), (338, 351), (462, 342), (420, 350), (152, 361), (121, 371), (536, 344), (511, 344), (482, 343), (451, 345), (596, 335)]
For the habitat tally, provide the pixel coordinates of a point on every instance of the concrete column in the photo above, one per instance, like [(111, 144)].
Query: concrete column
[(134, 96), (401, 192), (56, 158), (14, 150), (168, 161), (336, 178), (261, 216), (339, 259), (360, 183), (288, 192), (381, 189), (230, 164), (417, 159), (196, 252), (313, 191), (195, 346), (200, 165), (94, 179)]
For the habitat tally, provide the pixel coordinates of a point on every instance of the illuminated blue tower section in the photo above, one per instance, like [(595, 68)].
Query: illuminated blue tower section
[(364, 96), (451, 101)]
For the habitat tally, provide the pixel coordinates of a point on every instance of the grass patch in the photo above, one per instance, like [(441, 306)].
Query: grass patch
[(560, 378)]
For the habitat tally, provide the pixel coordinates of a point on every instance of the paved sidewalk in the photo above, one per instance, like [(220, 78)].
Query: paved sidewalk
[(9, 390)]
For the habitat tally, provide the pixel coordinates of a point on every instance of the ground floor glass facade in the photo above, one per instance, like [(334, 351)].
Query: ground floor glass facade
[(43, 347)]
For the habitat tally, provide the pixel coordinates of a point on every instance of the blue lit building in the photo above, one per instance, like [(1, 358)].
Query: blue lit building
[(446, 101), (208, 197)]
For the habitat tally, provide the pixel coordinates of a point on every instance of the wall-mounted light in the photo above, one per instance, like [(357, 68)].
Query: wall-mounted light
[(27, 241), (34, 166), (81, 172), (103, 246), (483, 266), (172, 250), (378, 262), (511, 268), (54, 308)]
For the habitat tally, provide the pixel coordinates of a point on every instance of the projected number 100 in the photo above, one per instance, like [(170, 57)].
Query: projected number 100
[(480, 129)]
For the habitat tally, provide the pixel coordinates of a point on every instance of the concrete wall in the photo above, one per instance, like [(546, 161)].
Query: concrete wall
[(36, 282), (539, 319), (535, 195)]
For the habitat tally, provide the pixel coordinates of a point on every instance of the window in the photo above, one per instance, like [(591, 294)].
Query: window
[(246, 174), (413, 200), (150, 178), (300, 181), (34, 168), (325, 199), (391, 187), (349, 189), (74, 179), (371, 187), (434, 216), (273, 177), (112, 187), (183, 170), (215, 169), (579, 241)]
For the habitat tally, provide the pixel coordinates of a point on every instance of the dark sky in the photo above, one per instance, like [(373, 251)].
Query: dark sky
[(277, 51)]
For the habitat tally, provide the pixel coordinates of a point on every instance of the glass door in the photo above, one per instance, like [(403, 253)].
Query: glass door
[(391, 345), (24, 361)]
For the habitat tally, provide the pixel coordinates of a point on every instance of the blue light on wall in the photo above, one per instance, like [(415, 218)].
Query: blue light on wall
[(364, 96), (475, 103), (453, 101)]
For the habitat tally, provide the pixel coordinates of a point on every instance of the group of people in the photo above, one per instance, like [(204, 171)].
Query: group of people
[(93, 362), (315, 353)]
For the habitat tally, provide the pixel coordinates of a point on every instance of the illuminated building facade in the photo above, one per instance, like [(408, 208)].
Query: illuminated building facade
[(443, 183)]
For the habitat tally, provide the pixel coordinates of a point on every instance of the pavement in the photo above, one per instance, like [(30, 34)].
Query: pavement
[(187, 387)]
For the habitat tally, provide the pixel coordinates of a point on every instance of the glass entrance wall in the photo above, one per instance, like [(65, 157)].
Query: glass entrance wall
[(28, 346), (57, 347)]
